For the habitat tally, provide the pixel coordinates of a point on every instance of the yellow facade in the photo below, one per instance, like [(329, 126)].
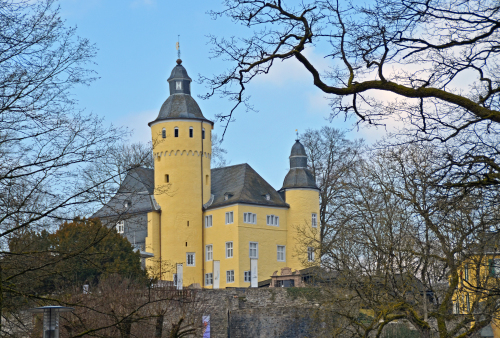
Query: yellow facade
[(182, 177), (178, 227)]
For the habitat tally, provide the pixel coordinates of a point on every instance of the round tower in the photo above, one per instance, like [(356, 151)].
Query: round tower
[(182, 148), (302, 194)]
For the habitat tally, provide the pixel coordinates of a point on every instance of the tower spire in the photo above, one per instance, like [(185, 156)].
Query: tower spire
[(178, 47), (297, 132)]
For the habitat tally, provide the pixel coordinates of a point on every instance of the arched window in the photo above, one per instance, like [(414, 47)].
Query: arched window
[(190, 131), (176, 132), (163, 133), (203, 133)]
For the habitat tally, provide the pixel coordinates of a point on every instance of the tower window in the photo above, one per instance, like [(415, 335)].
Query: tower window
[(229, 249), (206, 180), (178, 85), (167, 178), (254, 250), (310, 254), (208, 221), (249, 217), (190, 259), (281, 253), (203, 133), (188, 223), (229, 217), (190, 131), (176, 132), (209, 278), (163, 133), (120, 227), (273, 220), (314, 220), (209, 252)]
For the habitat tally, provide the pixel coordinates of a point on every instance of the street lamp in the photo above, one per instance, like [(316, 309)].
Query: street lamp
[(50, 319)]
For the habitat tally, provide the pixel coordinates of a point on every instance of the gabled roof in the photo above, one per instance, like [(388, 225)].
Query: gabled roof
[(242, 184), (135, 195)]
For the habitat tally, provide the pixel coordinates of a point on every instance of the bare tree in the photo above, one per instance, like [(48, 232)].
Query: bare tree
[(423, 53), (331, 159), (45, 143), (402, 241)]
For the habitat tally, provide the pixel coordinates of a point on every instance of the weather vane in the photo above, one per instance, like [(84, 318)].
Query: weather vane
[(297, 132), (178, 47)]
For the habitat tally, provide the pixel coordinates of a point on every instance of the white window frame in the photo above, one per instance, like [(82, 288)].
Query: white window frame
[(283, 253), (187, 259), (229, 250), (120, 227), (178, 85), (209, 252), (247, 276), (250, 218), (314, 220), (208, 221), (256, 250), (229, 276), (229, 217), (310, 254), (273, 220), (209, 279)]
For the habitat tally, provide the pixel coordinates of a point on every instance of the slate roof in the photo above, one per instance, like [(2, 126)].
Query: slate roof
[(243, 185), (240, 182), (299, 176), (180, 106), (137, 190)]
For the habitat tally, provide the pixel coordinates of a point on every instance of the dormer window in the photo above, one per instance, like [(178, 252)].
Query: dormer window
[(178, 85), (227, 196), (268, 197)]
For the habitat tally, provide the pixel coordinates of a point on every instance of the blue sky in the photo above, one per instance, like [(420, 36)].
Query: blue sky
[(136, 41)]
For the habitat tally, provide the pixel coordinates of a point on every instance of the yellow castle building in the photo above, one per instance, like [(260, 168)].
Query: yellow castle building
[(223, 227)]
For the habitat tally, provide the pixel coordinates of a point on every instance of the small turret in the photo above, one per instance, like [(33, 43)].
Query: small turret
[(299, 176)]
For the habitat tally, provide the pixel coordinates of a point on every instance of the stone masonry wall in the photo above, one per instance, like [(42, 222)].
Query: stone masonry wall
[(264, 312)]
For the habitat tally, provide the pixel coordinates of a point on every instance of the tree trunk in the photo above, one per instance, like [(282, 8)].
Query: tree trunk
[(159, 326)]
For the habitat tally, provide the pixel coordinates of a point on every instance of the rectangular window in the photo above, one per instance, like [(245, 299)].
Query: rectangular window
[(467, 302), (247, 277), (176, 132), (229, 217), (310, 254), (120, 227), (230, 276), (254, 250), (273, 220), (175, 279), (466, 272), (209, 252), (281, 253), (163, 133), (178, 85), (203, 133), (248, 217), (190, 261), (190, 132), (209, 278), (456, 307), (167, 178), (314, 220), (229, 249), (208, 221)]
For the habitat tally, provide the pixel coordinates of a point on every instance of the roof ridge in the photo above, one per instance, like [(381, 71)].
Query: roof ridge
[(229, 166)]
